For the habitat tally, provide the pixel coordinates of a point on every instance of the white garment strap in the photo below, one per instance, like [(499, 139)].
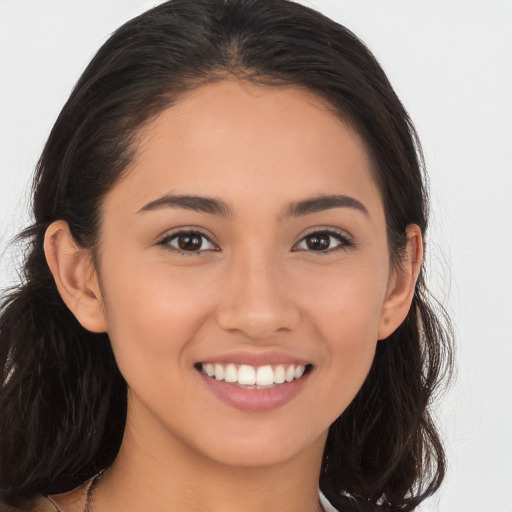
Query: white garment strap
[(325, 503)]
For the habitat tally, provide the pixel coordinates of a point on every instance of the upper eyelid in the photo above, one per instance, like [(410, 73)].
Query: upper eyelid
[(325, 229), (170, 233)]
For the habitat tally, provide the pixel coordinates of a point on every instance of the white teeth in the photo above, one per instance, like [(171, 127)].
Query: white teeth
[(265, 376), (219, 372), (231, 374), (246, 375), (259, 376), (279, 375)]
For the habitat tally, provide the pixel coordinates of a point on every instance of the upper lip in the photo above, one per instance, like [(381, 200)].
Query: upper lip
[(256, 358)]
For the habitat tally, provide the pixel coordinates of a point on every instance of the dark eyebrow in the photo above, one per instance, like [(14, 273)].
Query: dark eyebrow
[(218, 207), (321, 203), (195, 203)]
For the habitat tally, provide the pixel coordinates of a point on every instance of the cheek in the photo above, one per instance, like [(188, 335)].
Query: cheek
[(152, 313), (350, 343), (346, 315), (348, 301), (348, 327)]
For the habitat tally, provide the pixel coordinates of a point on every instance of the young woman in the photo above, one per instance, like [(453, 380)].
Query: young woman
[(224, 305)]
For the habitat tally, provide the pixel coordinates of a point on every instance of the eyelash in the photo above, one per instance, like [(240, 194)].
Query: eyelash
[(344, 241), (166, 242)]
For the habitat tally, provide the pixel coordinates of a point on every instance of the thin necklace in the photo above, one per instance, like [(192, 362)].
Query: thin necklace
[(89, 497)]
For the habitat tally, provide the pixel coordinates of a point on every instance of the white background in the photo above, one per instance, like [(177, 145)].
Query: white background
[(451, 64)]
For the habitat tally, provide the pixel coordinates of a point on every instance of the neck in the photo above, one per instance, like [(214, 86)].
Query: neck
[(160, 473)]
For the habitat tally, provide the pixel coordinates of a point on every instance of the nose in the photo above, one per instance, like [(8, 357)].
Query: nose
[(257, 300)]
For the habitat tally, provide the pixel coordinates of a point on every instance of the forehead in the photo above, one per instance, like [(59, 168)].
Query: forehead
[(245, 142)]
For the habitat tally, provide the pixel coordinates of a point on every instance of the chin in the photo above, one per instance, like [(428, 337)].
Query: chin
[(261, 447)]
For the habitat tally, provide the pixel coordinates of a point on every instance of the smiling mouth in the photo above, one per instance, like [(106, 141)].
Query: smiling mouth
[(254, 377)]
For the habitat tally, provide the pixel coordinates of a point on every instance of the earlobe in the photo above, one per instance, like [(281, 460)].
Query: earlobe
[(75, 276), (402, 285)]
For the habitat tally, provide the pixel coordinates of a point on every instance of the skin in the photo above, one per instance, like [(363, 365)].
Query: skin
[(255, 286)]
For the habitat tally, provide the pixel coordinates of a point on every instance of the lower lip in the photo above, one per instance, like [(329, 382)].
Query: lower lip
[(255, 400)]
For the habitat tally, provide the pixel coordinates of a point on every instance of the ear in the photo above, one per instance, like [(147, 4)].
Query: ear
[(75, 276), (402, 284)]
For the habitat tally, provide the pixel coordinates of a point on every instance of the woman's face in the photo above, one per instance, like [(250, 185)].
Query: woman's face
[(248, 239)]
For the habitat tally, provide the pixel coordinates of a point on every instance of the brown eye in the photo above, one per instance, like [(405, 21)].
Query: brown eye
[(318, 242), (188, 241), (324, 241)]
